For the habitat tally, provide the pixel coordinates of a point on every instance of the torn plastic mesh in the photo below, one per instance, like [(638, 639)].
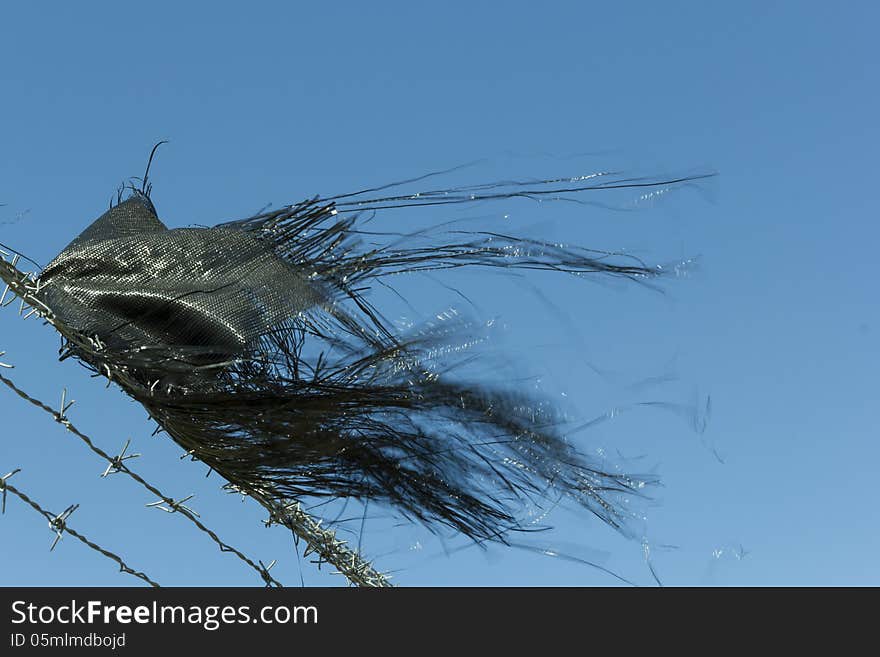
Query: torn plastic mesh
[(254, 345)]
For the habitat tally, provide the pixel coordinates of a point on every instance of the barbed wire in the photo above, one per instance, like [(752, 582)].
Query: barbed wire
[(116, 464), (318, 539), (58, 524)]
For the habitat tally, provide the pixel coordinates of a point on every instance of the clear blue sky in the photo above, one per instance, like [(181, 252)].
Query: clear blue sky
[(279, 101)]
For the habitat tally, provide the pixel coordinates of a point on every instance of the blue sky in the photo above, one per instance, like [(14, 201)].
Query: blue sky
[(281, 101)]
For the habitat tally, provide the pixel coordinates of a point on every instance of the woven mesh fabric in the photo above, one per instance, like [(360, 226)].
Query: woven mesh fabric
[(254, 345), (134, 283)]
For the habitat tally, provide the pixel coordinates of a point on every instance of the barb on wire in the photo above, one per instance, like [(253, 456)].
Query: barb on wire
[(174, 507), (115, 464), (58, 524), (3, 488)]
